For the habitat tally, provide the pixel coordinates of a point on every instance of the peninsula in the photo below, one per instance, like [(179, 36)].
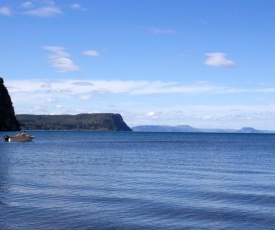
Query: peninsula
[(93, 121)]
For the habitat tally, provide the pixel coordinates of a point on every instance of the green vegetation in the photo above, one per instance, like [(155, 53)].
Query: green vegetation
[(96, 122), (8, 120)]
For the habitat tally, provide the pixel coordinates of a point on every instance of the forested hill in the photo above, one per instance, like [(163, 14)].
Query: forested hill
[(95, 122), (8, 120)]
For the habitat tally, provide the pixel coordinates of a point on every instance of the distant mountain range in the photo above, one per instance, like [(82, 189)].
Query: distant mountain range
[(189, 129)]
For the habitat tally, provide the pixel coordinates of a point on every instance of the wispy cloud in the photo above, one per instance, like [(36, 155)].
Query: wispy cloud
[(60, 59), (155, 30), (91, 53), (39, 8), (152, 114), (85, 97), (50, 100), (27, 4), (83, 83), (126, 87), (44, 12), (5, 11), (48, 2), (162, 31), (77, 7), (218, 60), (46, 85)]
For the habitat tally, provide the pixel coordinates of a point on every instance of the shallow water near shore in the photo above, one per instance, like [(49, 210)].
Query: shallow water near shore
[(131, 180)]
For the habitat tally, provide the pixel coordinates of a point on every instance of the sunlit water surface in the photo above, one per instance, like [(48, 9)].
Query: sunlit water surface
[(128, 180)]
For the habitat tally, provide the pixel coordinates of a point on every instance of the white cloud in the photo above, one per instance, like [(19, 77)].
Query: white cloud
[(39, 8), (44, 12), (27, 4), (91, 53), (48, 2), (118, 86), (82, 87), (60, 59), (208, 118), (85, 97), (38, 109), (77, 7), (5, 11), (152, 115), (218, 60), (50, 100), (83, 83)]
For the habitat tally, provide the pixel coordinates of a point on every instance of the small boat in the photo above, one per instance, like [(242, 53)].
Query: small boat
[(22, 137)]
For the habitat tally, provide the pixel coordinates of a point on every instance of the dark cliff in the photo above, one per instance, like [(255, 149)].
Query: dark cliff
[(95, 122), (8, 121)]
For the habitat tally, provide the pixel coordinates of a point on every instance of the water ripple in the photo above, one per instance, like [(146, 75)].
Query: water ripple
[(138, 181)]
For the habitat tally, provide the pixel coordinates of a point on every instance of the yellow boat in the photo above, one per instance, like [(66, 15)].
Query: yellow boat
[(22, 137)]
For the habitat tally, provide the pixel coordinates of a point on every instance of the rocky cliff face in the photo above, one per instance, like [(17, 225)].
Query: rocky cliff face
[(8, 121)]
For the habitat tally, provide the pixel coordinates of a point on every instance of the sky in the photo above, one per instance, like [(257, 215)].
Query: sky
[(207, 64)]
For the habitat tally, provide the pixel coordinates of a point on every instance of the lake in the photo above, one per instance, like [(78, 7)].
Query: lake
[(131, 180)]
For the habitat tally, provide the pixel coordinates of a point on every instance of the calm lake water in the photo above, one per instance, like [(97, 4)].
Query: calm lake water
[(129, 180)]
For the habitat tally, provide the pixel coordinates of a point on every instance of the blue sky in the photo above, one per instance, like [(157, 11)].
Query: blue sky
[(169, 62)]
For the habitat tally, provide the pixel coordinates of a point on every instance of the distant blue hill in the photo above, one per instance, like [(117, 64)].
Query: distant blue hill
[(188, 129), (250, 130)]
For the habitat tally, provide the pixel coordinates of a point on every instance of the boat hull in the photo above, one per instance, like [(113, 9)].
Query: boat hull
[(20, 139)]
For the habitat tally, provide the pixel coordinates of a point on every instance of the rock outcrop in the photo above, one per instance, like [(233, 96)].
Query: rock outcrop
[(8, 121)]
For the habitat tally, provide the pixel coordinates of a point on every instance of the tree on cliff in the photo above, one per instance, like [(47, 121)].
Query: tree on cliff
[(8, 121)]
